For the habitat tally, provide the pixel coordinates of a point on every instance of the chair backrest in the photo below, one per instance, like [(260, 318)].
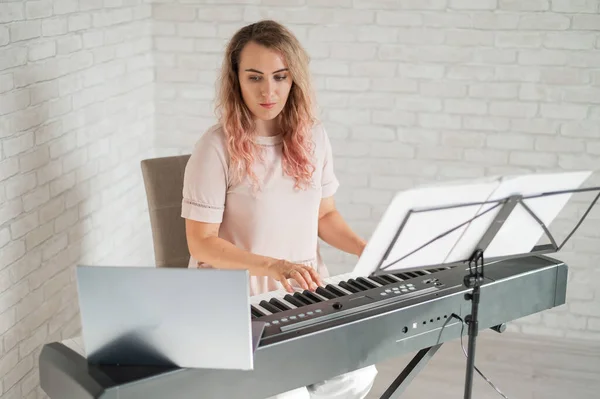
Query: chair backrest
[(163, 180)]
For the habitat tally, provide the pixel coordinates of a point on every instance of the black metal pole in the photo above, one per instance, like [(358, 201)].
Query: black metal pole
[(410, 372), (473, 330)]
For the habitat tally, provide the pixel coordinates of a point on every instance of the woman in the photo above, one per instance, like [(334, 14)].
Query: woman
[(258, 188)]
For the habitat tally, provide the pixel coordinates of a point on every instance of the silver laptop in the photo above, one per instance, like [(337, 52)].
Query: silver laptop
[(193, 318)]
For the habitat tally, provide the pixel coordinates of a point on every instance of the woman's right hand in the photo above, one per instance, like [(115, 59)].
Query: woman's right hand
[(282, 270)]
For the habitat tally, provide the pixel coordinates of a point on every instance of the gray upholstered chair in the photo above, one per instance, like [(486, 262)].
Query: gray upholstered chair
[(163, 180)]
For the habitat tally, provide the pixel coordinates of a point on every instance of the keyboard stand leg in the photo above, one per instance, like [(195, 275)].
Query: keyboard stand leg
[(410, 372)]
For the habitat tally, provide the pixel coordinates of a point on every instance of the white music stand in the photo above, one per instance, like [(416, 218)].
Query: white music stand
[(501, 217)]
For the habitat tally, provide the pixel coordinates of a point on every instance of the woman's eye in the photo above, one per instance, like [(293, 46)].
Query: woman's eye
[(280, 77), (255, 78)]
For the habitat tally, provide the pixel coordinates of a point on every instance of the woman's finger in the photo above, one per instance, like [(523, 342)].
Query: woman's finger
[(309, 278), (286, 284), (315, 276), (300, 279)]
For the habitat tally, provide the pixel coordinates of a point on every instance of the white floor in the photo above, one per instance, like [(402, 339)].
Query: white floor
[(522, 367)]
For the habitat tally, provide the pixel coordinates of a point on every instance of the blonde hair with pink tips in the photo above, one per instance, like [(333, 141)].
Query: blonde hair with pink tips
[(296, 118)]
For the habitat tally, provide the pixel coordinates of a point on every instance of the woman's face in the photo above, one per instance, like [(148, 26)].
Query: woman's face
[(264, 79)]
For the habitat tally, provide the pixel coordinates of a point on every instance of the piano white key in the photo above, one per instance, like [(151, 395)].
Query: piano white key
[(291, 305), (321, 297), (255, 299), (337, 279), (280, 298), (342, 277), (263, 310), (279, 294)]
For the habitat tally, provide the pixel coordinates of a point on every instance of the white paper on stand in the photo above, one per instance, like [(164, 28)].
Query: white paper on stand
[(519, 234)]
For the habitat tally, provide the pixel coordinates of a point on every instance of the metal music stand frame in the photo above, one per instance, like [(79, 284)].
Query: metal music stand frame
[(474, 279)]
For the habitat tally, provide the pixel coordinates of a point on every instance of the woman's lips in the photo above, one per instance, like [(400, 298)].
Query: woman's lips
[(268, 105)]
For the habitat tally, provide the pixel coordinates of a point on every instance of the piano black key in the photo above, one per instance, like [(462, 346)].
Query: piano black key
[(294, 301), (389, 278), (366, 282), (327, 294), (279, 304), (256, 312), (412, 274), (402, 276), (312, 296), (380, 280), (348, 287), (359, 286), (303, 298), (269, 307), (334, 290)]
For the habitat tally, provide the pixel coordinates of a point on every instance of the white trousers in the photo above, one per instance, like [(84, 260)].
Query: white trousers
[(352, 385)]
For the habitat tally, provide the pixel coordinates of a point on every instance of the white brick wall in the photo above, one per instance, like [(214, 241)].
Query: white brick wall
[(411, 91), (415, 91), (76, 116)]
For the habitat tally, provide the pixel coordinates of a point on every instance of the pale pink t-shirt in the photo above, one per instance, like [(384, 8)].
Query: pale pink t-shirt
[(278, 221)]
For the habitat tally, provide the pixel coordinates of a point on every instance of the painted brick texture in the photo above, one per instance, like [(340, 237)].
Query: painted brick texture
[(419, 91), (411, 92), (76, 116)]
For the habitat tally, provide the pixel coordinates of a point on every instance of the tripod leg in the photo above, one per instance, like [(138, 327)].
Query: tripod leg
[(410, 372)]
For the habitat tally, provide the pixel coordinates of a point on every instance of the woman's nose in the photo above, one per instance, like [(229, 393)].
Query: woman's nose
[(267, 88)]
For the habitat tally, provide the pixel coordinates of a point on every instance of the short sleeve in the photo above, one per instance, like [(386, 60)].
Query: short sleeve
[(205, 183), (329, 181)]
